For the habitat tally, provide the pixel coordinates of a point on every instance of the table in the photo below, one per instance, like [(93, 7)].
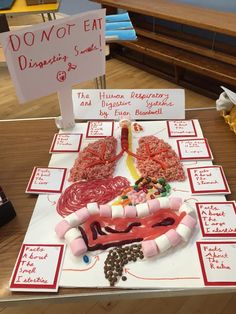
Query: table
[(20, 7), (25, 144)]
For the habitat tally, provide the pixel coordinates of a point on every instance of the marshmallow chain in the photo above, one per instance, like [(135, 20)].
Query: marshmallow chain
[(67, 228)]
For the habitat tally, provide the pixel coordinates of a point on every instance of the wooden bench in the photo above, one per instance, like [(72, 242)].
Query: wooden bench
[(170, 43)]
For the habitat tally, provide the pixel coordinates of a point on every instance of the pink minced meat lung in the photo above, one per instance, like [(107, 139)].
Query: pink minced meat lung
[(158, 164), (82, 169)]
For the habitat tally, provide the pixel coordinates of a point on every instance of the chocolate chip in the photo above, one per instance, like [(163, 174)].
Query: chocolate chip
[(124, 278)]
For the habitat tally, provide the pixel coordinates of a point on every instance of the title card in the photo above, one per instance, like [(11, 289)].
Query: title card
[(38, 268), (181, 128), (218, 262), (100, 129), (208, 180), (217, 219), (66, 143), (46, 180), (194, 149)]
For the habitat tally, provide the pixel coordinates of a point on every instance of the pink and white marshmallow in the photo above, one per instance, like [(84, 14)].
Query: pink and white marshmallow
[(105, 211), (93, 208), (142, 210), (186, 208), (130, 211), (117, 211), (78, 247), (154, 206), (175, 202), (163, 243), (149, 248)]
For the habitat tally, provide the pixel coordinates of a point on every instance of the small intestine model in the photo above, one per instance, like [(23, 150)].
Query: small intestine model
[(158, 224)]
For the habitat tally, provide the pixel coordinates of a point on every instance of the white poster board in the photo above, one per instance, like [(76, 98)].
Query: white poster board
[(51, 56), (143, 104)]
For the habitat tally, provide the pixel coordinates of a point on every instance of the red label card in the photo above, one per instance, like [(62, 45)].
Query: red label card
[(100, 129), (66, 142), (194, 149), (46, 180), (208, 180), (217, 219), (38, 268), (181, 128), (218, 262)]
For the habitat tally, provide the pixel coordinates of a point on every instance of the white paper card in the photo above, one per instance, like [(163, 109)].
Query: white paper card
[(100, 129), (217, 219), (66, 142), (181, 128), (49, 56), (218, 262), (194, 149), (38, 268), (46, 180), (142, 104), (208, 180)]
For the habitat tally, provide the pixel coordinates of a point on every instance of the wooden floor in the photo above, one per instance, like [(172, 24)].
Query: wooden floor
[(119, 75)]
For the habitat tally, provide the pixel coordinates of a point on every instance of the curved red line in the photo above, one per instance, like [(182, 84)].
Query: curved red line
[(85, 269), (167, 278)]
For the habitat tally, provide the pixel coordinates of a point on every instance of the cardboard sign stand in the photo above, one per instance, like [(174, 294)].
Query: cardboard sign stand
[(67, 119)]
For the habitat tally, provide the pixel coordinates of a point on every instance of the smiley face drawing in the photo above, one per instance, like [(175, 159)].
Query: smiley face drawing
[(61, 76)]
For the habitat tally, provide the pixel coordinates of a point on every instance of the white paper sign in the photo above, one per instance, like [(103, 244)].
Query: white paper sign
[(217, 219), (140, 104), (38, 268), (46, 180), (99, 129), (180, 128), (194, 149), (66, 142), (208, 180), (218, 262), (47, 57)]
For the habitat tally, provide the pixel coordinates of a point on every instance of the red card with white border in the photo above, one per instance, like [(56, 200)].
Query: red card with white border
[(218, 262), (217, 219), (46, 180), (181, 128), (66, 143), (100, 129), (38, 268), (208, 180), (194, 149)]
